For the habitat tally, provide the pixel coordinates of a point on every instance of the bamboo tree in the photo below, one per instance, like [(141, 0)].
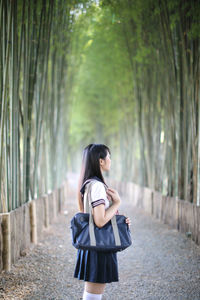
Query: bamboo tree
[(42, 93), (3, 104), (25, 48), (124, 72), (159, 38)]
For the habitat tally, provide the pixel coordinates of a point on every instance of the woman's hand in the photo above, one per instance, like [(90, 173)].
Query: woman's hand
[(128, 221), (114, 195)]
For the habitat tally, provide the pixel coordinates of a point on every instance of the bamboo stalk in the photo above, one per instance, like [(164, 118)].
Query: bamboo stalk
[(3, 106), (42, 96)]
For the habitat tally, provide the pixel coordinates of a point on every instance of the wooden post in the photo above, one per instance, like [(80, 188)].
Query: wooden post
[(46, 205), (62, 197), (152, 204), (33, 222), (6, 255), (54, 204), (66, 190), (59, 199), (177, 213)]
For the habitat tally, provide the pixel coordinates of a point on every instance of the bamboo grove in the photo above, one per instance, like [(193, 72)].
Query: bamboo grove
[(121, 72), (34, 45), (138, 83)]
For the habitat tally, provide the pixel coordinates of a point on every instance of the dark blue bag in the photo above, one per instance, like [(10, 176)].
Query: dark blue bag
[(113, 236)]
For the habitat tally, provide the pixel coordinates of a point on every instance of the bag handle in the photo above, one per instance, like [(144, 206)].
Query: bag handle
[(91, 221)]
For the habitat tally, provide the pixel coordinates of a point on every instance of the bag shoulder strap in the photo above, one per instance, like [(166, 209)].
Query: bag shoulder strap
[(88, 205), (87, 198)]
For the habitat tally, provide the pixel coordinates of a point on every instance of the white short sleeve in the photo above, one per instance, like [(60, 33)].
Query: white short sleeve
[(98, 194)]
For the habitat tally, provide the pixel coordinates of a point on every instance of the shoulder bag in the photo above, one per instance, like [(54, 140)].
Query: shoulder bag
[(114, 236)]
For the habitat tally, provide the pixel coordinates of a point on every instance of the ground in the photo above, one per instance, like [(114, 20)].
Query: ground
[(161, 264)]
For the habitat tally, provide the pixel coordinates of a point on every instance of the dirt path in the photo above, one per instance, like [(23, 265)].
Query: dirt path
[(161, 264)]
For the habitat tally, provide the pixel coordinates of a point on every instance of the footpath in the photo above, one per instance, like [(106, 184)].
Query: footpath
[(161, 264)]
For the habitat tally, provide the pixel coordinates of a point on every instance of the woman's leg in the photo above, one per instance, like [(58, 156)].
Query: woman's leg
[(93, 290)]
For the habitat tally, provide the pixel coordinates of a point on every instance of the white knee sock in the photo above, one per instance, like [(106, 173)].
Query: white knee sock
[(89, 296)]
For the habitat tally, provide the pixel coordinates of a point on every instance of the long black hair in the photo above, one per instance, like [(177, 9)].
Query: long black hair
[(92, 154)]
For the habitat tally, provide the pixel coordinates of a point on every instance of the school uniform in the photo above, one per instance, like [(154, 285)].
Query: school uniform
[(91, 265)]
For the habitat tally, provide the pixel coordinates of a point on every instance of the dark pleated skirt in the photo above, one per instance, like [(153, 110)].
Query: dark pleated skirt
[(93, 266)]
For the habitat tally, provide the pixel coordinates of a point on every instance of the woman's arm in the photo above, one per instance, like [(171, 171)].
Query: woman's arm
[(102, 216), (80, 202)]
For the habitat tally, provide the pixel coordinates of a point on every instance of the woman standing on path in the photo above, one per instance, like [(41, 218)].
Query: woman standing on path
[(97, 268)]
